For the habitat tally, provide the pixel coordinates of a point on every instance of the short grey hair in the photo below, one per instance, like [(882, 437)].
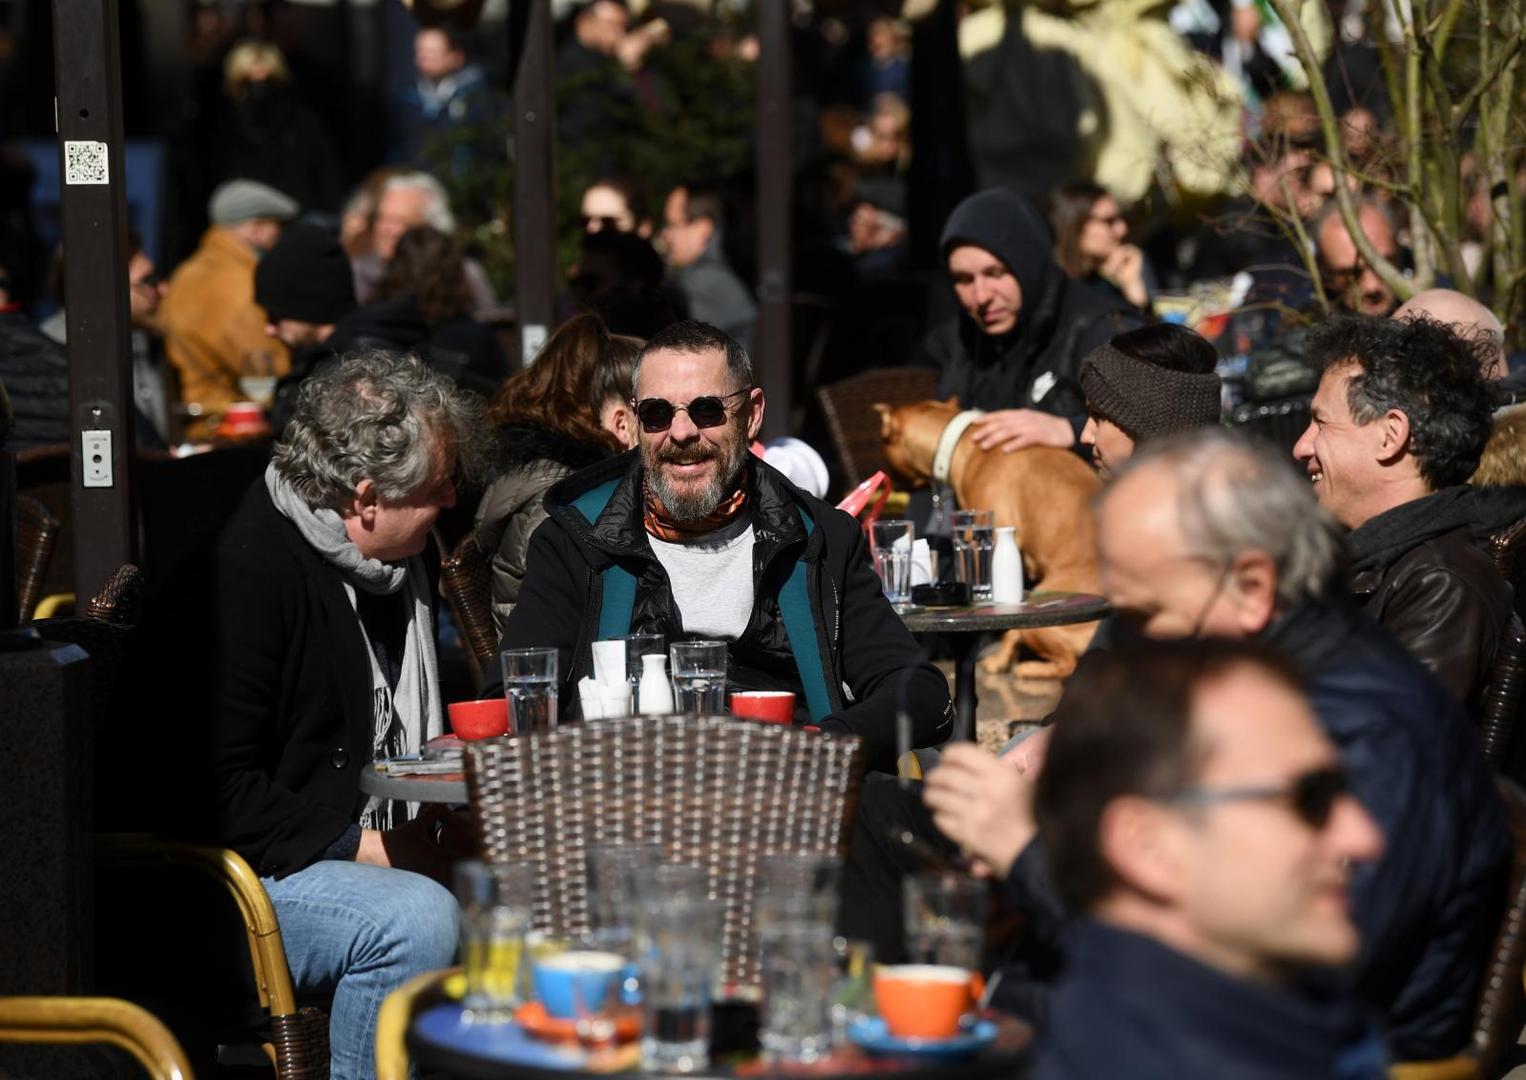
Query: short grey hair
[(1236, 495), (437, 213), (377, 416), (698, 338)]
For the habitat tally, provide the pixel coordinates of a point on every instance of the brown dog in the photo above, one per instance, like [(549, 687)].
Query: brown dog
[(1043, 492)]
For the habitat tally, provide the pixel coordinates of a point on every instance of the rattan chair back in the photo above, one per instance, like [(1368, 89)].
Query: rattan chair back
[(36, 536), (854, 425), (466, 582), (714, 792)]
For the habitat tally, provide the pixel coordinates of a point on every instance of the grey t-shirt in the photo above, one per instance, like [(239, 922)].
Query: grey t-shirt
[(712, 579)]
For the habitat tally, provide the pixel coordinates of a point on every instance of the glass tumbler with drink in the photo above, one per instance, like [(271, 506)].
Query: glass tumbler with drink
[(892, 541), (699, 677), (800, 973), (681, 956), (974, 542), (529, 684), (495, 916)]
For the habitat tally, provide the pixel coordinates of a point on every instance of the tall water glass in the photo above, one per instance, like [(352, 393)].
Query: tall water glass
[(945, 919), (799, 976), (891, 541), (974, 541), (495, 915), (814, 880), (612, 902), (529, 684), (681, 957), (699, 677)]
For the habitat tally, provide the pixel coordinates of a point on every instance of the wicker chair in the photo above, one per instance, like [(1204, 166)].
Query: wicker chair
[(397, 1015), (715, 792), (855, 426), (73, 1020), (36, 536), (1497, 1016), (466, 583), (1502, 697)]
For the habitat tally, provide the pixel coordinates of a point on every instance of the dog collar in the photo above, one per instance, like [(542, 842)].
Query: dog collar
[(943, 457)]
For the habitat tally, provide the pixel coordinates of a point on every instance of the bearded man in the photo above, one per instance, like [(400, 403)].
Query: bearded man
[(692, 537)]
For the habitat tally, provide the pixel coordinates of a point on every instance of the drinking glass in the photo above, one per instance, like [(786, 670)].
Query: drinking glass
[(945, 919), (529, 684), (892, 542), (974, 541), (681, 956), (612, 889), (637, 646), (699, 677), (799, 973), (495, 915)]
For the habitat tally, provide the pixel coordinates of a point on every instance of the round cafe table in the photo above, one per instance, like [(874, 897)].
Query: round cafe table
[(439, 788), (965, 625), (442, 1045)]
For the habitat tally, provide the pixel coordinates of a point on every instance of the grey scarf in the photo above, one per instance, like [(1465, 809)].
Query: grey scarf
[(406, 718)]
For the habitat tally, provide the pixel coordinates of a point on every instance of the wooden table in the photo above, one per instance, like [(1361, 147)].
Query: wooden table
[(964, 625)]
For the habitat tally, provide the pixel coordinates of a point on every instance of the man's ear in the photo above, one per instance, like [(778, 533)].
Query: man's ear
[(890, 422), (1253, 578), (1136, 840), (755, 420), (954, 400), (363, 505), (1394, 429)]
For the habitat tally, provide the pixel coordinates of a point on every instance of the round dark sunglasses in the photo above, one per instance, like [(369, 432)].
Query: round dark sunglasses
[(656, 414), (1312, 796)]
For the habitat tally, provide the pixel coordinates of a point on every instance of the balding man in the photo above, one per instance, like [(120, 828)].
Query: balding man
[(1468, 317), (1349, 282)]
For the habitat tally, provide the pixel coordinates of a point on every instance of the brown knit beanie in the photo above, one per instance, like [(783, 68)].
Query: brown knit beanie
[(1147, 400)]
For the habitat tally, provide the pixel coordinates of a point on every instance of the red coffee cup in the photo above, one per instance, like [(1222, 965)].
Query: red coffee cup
[(770, 706), (479, 719)]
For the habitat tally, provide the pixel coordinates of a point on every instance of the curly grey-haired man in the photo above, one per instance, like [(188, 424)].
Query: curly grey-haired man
[(320, 657)]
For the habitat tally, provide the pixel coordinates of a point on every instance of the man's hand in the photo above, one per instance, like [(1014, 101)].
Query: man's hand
[(983, 804), (1013, 429), (430, 844)]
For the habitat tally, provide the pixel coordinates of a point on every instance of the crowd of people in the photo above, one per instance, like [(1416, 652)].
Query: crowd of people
[(1257, 836)]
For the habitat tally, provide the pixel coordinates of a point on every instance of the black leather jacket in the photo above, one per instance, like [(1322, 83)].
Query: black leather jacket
[(1418, 571)]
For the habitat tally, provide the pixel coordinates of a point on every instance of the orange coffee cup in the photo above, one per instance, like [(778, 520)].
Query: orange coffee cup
[(479, 719), (924, 1001), (770, 706)]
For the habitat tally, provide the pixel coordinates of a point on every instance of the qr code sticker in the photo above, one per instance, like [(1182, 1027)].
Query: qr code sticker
[(85, 163)]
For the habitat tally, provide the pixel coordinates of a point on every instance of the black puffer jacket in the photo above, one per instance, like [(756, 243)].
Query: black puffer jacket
[(865, 646), (1417, 570), (35, 370), (1034, 365)]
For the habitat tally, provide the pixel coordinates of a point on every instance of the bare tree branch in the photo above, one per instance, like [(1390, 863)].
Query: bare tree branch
[(1502, 60)]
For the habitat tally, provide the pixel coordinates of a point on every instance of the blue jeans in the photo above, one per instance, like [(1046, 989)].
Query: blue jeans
[(361, 931)]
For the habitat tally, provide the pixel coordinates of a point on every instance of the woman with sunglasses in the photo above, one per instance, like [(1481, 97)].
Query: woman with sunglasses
[(1090, 243), (564, 412)]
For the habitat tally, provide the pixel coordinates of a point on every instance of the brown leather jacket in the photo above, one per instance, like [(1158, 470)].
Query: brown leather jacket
[(1439, 595)]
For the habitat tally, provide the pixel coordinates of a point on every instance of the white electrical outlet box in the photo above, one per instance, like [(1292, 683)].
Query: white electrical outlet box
[(95, 448)]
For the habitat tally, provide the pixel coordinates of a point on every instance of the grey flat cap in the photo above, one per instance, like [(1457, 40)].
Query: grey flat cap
[(235, 201)]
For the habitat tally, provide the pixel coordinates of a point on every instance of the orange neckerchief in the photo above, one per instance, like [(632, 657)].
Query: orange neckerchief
[(657, 521)]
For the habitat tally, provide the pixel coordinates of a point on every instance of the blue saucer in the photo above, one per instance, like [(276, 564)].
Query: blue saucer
[(869, 1033)]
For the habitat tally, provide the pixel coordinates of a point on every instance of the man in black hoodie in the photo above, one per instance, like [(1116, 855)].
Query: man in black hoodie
[(1397, 426), (1015, 349)]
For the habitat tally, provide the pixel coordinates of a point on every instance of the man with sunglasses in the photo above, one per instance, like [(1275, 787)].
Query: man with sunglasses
[(1198, 821), (1210, 536), (691, 536)]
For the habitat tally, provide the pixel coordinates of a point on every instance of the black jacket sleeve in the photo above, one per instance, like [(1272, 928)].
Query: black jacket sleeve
[(877, 655)]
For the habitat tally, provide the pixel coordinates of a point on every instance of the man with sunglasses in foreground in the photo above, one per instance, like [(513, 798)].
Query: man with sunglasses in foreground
[(1198, 819), (1210, 536), (692, 537)]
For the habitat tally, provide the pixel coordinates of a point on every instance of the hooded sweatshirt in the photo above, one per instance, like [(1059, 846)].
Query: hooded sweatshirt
[(1035, 364)]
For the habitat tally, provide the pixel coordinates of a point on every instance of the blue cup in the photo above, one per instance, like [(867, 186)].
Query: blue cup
[(577, 980)]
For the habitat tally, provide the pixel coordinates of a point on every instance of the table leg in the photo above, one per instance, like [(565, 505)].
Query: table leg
[(966, 651)]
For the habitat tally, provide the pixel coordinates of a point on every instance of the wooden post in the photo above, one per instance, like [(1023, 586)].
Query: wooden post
[(534, 174), (89, 115), (772, 350)]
